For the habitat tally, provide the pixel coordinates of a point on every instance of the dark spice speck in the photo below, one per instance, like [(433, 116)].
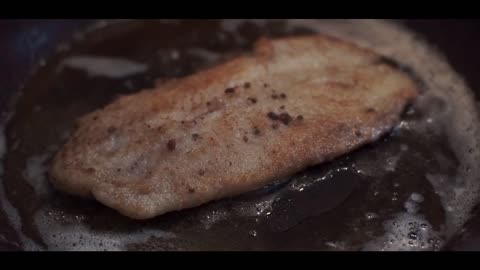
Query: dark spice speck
[(246, 85), (245, 138), (358, 133), (201, 172), (195, 136), (300, 117), (272, 116), (230, 90), (285, 118), (252, 100), (171, 145), (283, 96), (256, 131)]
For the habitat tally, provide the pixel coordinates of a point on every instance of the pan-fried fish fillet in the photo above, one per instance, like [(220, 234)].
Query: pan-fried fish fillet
[(233, 128)]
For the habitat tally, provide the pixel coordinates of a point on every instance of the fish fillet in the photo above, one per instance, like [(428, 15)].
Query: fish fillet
[(294, 102)]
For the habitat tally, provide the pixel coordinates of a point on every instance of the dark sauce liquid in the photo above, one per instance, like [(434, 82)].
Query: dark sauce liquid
[(342, 205)]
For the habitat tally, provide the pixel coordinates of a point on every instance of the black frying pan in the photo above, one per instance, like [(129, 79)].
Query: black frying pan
[(345, 213)]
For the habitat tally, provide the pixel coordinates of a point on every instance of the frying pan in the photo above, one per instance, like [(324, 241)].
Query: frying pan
[(347, 204)]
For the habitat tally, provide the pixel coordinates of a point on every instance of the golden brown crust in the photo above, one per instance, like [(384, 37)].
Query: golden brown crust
[(232, 128)]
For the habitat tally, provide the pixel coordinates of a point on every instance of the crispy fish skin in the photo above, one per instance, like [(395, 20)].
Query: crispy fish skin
[(295, 102)]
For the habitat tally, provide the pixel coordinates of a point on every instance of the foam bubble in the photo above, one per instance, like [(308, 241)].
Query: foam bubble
[(114, 68), (392, 163), (35, 173), (407, 231), (76, 236), (10, 211)]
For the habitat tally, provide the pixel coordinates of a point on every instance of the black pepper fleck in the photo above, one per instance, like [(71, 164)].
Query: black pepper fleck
[(171, 145), (256, 131), (370, 110), (195, 136), (191, 190), (201, 172), (265, 85), (272, 116), (300, 117), (275, 126), (252, 100), (282, 107), (283, 96), (358, 133), (230, 90), (246, 85), (285, 118), (208, 103), (245, 138)]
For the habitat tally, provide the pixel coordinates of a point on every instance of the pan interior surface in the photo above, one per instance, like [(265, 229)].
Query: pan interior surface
[(411, 190)]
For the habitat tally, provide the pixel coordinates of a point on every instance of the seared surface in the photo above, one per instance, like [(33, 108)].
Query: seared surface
[(233, 128)]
